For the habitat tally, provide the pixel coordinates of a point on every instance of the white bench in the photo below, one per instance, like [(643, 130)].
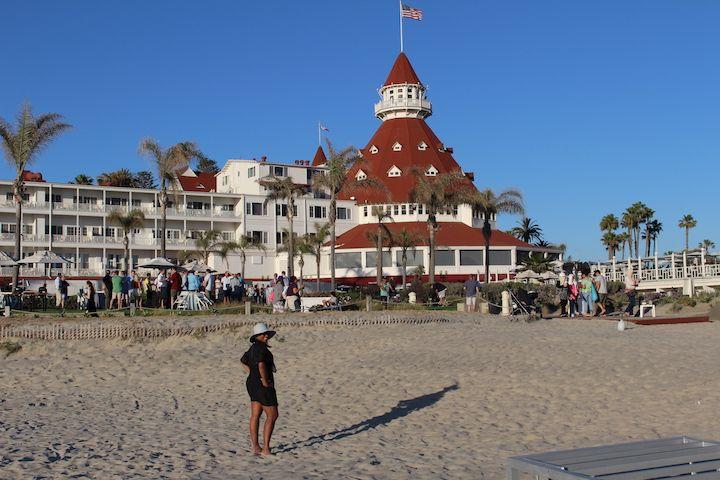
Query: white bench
[(647, 306)]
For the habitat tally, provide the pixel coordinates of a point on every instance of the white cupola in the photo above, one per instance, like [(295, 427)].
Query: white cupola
[(403, 94)]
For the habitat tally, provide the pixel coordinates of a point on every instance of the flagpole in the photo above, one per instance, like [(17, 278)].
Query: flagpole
[(401, 26), (319, 135)]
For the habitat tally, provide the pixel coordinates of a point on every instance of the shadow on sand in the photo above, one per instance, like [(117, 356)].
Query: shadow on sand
[(402, 409)]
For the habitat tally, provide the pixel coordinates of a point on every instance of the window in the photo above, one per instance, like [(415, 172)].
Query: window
[(255, 208), (278, 171), (56, 198), (431, 171), (227, 207), (172, 234), (251, 172), (7, 228), (258, 236), (414, 258), (136, 203), (197, 206), (394, 172), (135, 231), (471, 257), (499, 257), (348, 260), (110, 232), (225, 180), (403, 209), (96, 232), (421, 209), (281, 210), (28, 229), (194, 234), (373, 149), (281, 237), (54, 230), (445, 258), (360, 175), (396, 210), (115, 201), (422, 146), (228, 236), (412, 208), (396, 147), (71, 231), (365, 211), (371, 258), (90, 200), (317, 211), (343, 213)]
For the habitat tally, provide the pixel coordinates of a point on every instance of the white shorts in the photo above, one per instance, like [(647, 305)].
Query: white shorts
[(470, 301)]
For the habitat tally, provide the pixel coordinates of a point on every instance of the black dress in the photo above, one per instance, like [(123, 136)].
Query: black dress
[(259, 352)]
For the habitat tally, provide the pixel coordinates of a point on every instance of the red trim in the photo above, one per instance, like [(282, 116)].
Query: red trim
[(402, 71)]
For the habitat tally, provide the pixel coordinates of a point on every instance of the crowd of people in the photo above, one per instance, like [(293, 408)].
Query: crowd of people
[(585, 294)]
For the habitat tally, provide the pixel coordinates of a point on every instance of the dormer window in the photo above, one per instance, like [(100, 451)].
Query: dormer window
[(360, 175), (422, 146), (374, 149), (394, 171), (431, 171), (396, 147)]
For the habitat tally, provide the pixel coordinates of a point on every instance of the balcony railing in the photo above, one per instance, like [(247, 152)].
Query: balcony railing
[(410, 103)]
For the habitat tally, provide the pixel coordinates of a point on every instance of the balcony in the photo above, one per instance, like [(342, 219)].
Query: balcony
[(402, 103)]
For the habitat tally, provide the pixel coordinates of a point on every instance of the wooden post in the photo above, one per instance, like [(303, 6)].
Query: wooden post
[(368, 303), (7, 310), (614, 275), (702, 260), (248, 308), (672, 264)]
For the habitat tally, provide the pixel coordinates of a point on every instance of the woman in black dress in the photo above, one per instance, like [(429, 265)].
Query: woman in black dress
[(90, 296), (258, 363)]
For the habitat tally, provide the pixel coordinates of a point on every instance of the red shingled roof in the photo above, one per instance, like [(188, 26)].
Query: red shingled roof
[(320, 158), (202, 182), (410, 133), (450, 234), (402, 72), (29, 176)]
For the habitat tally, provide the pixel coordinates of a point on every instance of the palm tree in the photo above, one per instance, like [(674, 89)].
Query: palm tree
[(118, 178), (206, 243), (634, 216), (304, 247), (623, 239), (127, 222), (438, 194), (82, 179), (537, 262), (707, 245), (405, 240), (527, 230), (224, 249), (652, 230), (488, 204), (611, 240), (609, 223), (167, 162), (22, 143), (381, 237), (286, 190), (316, 241), (334, 180), (687, 222), (244, 244)]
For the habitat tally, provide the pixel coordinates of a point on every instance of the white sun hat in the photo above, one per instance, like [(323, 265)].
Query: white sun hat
[(260, 329)]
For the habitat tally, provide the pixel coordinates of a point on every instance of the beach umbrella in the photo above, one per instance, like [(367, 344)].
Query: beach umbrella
[(6, 260), (549, 276), (157, 262), (527, 275), (45, 257), (197, 266)]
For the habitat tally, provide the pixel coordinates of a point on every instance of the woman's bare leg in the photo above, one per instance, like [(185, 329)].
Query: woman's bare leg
[(255, 411), (271, 415)]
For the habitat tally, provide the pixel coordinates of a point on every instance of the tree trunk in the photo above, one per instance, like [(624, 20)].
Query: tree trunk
[(242, 264), (291, 239), (687, 238), (126, 244), (630, 242), (378, 257), (301, 264), (487, 232), (431, 244), (317, 271), (647, 242), (333, 240), (18, 231), (404, 268), (163, 220)]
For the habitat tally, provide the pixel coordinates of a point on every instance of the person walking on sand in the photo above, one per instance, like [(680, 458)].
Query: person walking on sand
[(259, 364), (601, 288), (471, 288)]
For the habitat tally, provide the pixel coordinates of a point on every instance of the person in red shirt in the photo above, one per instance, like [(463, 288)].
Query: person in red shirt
[(175, 286)]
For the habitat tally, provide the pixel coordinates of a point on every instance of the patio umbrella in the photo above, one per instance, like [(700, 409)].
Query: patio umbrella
[(527, 275), (549, 275), (157, 262), (197, 266), (6, 260), (45, 257)]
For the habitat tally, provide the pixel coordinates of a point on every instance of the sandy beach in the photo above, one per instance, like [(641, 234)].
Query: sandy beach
[(448, 400)]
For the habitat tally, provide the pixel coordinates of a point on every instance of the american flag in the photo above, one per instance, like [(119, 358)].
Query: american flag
[(411, 12)]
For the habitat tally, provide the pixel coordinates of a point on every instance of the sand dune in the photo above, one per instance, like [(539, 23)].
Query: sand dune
[(429, 401)]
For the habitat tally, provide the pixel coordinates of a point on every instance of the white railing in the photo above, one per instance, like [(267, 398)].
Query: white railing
[(199, 212), (661, 273), (224, 213), (90, 207), (403, 103)]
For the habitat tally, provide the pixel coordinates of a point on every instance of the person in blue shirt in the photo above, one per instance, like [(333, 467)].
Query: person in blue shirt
[(193, 282)]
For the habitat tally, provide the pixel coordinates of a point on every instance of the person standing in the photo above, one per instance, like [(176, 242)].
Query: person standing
[(107, 290), (209, 284), (226, 288), (125, 282), (58, 278), (384, 292), (602, 290), (631, 292), (116, 290), (259, 364), (573, 295), (161, 285), (586, 288), (90, 297), (193, 282), (471, 287), (292, 297), (277, 295), (175, 281), (64, 285)]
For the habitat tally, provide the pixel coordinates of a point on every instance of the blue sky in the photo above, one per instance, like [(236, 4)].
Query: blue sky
[(585, 106)]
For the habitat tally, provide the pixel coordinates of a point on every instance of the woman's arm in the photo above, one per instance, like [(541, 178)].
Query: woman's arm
[(263, 374), (245, 367)]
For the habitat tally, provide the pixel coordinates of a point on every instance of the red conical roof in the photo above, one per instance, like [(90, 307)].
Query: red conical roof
[(419, 148), (320, 158), (402, 72)]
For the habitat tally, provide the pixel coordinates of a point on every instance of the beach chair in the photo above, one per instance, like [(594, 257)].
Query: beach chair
[(667, 458)]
